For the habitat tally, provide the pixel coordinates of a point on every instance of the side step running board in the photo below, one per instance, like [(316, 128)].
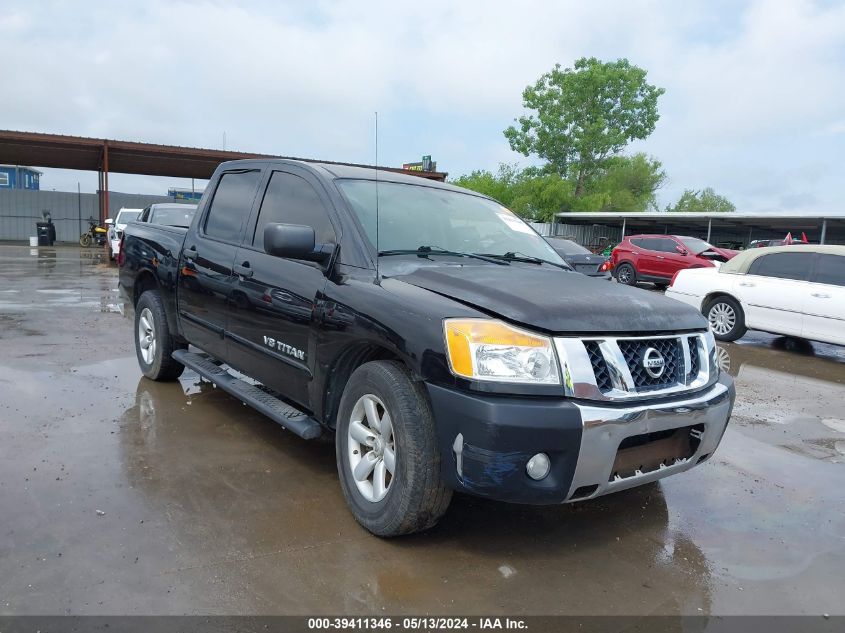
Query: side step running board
[(289, 417)]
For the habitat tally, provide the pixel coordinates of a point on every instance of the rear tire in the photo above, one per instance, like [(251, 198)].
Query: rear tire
[(154, 345), (385, 419), (625, 274), (726, 318)]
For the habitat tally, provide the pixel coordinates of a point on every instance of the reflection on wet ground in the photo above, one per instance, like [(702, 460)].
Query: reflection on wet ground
[(120, 495), (792, 391)]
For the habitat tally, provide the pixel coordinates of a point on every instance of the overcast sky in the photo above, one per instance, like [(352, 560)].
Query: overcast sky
[(754, 103)]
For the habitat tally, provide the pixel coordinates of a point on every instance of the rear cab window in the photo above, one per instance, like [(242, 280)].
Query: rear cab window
[(231, 205)]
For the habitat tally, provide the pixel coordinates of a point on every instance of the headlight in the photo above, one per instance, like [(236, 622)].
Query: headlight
[(484, 349)]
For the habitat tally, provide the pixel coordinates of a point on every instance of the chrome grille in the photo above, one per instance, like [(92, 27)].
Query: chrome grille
[(693, 356), (634, 352), (614, 368), (599, 365)]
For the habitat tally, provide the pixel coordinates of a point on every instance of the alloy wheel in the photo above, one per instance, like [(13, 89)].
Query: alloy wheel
[(371, 447), (722, 318), (147, 336)]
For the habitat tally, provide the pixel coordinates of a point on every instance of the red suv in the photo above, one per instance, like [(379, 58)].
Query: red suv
[(657, 258)]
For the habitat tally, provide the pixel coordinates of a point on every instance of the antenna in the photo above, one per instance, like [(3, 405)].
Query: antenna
[(377, 218)]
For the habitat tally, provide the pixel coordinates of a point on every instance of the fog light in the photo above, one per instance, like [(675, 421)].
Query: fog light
[(538, 466)]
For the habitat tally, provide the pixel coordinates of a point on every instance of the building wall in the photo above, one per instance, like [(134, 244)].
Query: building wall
[(186, 195), (12, 177), (21, 209)]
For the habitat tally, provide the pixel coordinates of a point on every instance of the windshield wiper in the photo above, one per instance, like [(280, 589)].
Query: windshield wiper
[(426, 251), (516, 256)]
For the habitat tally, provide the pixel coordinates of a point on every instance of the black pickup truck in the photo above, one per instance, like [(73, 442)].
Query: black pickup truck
[(443, 342)]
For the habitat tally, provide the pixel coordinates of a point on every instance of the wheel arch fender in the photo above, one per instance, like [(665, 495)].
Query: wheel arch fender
[(146, 280), (341, 367), (620, 263), (715, 294)]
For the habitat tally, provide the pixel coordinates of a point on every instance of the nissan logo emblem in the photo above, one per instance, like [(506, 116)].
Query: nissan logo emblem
[(653, 363)]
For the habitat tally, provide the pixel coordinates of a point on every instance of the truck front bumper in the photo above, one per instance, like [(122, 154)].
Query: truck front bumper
[(486, 441)]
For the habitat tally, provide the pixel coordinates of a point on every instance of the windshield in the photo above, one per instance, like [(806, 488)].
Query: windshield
[(568, 247), (125, 217), (173, 216), (411, 216), (695, 245)]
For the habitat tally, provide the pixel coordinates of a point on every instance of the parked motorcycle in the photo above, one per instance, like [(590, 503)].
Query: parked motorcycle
[(94, 235)]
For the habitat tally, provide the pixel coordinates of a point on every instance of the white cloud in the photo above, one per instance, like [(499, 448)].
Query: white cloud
[(749, 86)]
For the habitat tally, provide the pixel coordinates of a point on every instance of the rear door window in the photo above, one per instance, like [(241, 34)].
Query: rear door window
[(783, 266), (666, 245), (830, 269), (651, 243), (231, 205)]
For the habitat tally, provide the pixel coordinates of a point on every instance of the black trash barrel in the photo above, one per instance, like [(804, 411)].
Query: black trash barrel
[(43, 232)]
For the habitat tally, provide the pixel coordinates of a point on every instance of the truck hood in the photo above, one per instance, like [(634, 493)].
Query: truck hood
[(716, 254), (557, 301)]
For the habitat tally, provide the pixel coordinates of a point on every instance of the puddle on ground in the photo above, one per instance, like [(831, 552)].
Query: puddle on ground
[(782, 384)]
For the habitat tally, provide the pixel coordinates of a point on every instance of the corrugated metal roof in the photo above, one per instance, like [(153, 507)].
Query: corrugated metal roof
[(684, 215), (130, 157)]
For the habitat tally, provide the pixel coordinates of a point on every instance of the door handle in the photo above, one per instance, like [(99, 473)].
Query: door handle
[(660, 257), (821, 295), (746, 284), (190, 253), (243, 269)]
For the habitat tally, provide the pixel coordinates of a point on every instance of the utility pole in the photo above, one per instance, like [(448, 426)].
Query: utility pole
[(79, 205)]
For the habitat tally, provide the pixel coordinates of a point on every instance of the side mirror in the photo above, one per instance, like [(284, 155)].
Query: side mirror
[(109, 221), (681, 250), (294, 241)]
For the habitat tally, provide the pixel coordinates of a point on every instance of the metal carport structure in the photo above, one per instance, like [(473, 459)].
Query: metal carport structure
[(130, 157), (588, 228)]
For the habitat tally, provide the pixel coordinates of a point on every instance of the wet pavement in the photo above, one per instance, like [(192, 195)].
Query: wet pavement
[(123, 496)]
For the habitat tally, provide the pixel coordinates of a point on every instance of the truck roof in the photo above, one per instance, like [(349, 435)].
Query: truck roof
[(340, 171)]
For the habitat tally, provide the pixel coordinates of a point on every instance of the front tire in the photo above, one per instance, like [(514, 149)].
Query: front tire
[(154, 345), (387, 454), (85, 240), (726, 318), (625, 274)]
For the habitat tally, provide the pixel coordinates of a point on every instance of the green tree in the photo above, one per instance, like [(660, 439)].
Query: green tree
[(584, 116), (629, 182), (540, 196), (532, 193), (498, 186), (625, 183), (703, 200)]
